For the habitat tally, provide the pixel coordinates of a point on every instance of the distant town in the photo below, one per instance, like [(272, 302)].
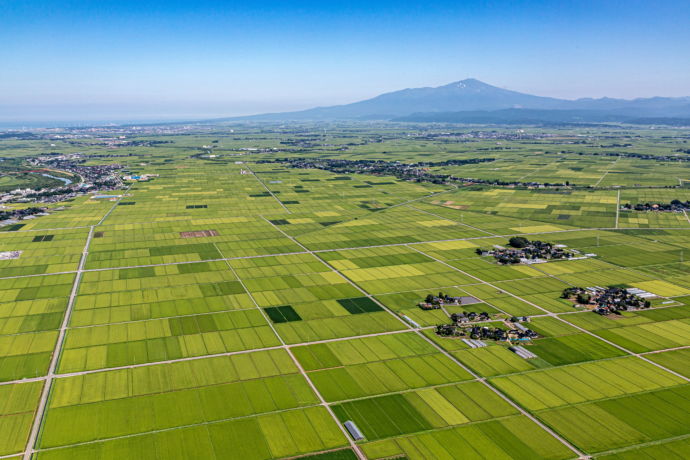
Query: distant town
[(415, 172)]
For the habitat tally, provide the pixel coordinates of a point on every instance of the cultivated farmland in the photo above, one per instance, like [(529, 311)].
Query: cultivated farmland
[(238, 305)]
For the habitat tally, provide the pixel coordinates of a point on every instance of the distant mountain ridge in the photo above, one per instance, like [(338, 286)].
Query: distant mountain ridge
[(465, 99)]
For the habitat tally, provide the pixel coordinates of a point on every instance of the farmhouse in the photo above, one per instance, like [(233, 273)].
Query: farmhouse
[(519, 319), (474, 332), (521, 333), (435, 302), (465, 317)]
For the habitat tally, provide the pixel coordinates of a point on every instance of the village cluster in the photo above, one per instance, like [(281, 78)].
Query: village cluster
[(460, 326), (605, 301), (416, 172), (673, 206), (522, 250), (466, 324)]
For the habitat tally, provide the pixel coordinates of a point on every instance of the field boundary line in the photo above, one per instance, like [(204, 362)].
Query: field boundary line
[(455, 360), (258, 179), (352, 283), (397, 205), (643, 444), (503, 396), (556, 160), (214, 355), (451, 220), (613, 344), (86, 326), (611, 398), (454, 188), (174, 428), (499, 393), (78, 227), (613, 163), (316, 251), (41, 410), (638, 355), (480, 281), (57, 351), (653, 352), (114, 206), (323, 402), (555, 315)]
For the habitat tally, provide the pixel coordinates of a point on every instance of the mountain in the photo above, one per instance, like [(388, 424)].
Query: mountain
[(473, 99), (467, 94)]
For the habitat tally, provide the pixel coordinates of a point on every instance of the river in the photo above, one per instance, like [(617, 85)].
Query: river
[(63, 179)]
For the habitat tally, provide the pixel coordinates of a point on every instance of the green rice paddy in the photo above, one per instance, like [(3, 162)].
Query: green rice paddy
[(234, 307)]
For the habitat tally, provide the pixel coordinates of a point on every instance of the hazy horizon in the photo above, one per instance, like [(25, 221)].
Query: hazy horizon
[(174, 60)]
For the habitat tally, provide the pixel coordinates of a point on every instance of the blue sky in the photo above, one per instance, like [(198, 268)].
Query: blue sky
[(169, 59)]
